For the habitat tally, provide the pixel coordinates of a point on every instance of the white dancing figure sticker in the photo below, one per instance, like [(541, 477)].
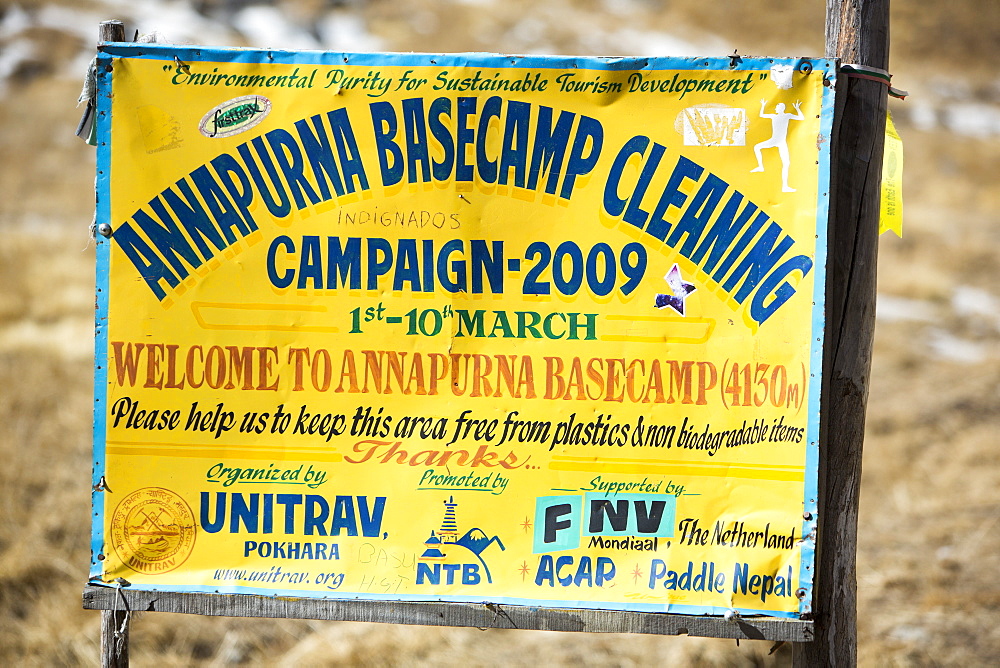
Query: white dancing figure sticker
[(779, 139)]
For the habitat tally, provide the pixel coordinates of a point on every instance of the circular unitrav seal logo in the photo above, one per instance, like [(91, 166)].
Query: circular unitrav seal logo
[(153, 530), (234, 116)]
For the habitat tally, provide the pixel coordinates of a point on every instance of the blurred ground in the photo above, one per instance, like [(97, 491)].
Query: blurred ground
[(929, 555)]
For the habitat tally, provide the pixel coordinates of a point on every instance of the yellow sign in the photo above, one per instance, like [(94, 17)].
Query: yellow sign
[(461, 328), (891, 217)]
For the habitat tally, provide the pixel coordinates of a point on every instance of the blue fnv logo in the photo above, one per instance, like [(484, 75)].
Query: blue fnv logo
[(561, 521), (447, 556)]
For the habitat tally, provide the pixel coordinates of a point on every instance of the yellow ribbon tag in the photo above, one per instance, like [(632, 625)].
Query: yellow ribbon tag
[(891, 217)]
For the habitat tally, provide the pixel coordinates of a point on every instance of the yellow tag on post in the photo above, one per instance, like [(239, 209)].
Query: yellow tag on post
[(891, 217)]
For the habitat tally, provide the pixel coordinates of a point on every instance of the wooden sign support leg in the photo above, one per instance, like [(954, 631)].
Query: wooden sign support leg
[(857, 32), (114, 623), (114, 639)]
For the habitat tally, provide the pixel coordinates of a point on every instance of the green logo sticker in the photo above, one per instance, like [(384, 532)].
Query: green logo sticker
[(235, 116)]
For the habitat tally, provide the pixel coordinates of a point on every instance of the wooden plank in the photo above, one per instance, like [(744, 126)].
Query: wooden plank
[(857, 32), (479, 615)]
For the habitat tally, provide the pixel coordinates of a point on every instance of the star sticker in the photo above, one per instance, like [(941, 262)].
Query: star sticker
[(526, 524), (679, 288), (524, 570)]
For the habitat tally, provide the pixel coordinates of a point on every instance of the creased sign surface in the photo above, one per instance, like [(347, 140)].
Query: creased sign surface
[(461, 328)]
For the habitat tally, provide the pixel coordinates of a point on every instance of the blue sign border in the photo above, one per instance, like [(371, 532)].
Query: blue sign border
[(110, 51)]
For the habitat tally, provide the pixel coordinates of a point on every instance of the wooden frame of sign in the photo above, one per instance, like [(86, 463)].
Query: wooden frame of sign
[(484, 615)]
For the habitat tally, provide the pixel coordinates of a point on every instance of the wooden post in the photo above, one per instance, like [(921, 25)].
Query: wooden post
[(857, 32), (114, 623), (111, 31), (114, 638)]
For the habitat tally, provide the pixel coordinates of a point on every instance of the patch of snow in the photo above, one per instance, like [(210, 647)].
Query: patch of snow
[(176, 20), (923, 116), (655, 43), (422, 22), (622, 7), (972, 119), (79, 22), (902, 309), (529, 31), (264, 26), (346, 31), (13, 22), (71, 337), (12, 55), (950, 347), (975, 303), (909, 634)]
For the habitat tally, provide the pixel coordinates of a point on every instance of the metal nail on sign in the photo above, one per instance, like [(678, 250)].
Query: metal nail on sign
[(234, 116)]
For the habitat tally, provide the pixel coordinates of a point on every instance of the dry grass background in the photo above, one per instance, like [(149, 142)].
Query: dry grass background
[(929, 559)]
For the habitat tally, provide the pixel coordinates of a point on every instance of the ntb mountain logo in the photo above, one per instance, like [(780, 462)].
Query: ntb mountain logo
[(451, 559)]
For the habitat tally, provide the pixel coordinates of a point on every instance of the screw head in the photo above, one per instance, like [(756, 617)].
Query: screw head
[(104, 230)]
